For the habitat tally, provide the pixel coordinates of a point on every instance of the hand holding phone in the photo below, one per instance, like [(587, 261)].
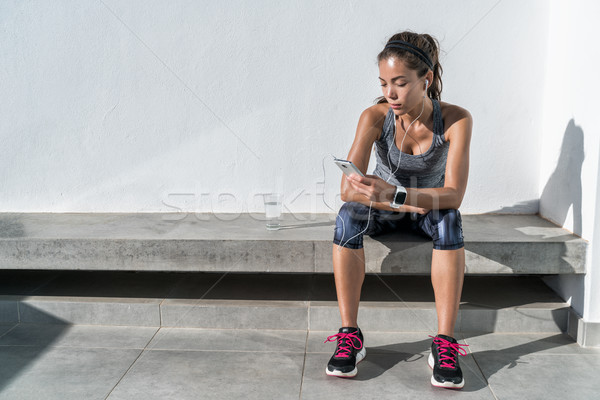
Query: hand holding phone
[(348, 167)]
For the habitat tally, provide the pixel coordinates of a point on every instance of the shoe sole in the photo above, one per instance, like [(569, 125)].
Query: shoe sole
[(445, 385), (359, 357)]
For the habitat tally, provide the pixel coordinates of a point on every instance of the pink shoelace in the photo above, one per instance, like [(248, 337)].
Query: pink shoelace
[(445, 353), (344, 348)]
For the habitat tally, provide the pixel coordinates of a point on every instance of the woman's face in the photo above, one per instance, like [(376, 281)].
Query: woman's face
[(400, 85)]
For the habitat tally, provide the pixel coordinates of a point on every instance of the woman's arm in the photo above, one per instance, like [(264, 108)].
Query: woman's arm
[(457, 173), (368, 130)]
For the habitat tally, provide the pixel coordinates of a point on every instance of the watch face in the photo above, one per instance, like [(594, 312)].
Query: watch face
[(400, 198)]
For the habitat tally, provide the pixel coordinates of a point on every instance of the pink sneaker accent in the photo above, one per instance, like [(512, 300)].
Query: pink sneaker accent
[(344, 351), (445, 346)]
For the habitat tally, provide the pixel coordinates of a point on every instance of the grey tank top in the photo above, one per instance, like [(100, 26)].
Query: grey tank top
[(426, 170)]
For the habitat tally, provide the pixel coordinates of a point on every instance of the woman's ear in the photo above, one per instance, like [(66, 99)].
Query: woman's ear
[(429, 77)]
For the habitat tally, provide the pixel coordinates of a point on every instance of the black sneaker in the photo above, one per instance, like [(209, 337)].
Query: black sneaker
[(349, 351), (444, 362)]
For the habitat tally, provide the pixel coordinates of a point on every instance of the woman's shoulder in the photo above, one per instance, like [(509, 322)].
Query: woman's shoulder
[(452, 113), (371, 121), (375, 115), (457, 120), (376, 111)]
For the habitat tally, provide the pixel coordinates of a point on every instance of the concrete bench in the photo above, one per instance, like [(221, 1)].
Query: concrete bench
[(494, 244)]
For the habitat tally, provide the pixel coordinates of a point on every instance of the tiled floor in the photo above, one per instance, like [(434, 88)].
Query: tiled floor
[(80, 342), (118, 362)]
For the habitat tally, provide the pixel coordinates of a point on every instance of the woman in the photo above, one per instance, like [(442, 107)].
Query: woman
[(422, 149)]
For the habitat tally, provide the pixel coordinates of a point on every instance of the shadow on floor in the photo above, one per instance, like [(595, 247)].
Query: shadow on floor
[(477, 366), (15, 286), (17, 359)]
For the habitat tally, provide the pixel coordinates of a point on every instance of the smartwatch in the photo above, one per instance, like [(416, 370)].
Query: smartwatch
[(399, 197)]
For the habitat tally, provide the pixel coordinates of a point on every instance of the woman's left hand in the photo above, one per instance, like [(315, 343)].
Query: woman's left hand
[(373, 187)]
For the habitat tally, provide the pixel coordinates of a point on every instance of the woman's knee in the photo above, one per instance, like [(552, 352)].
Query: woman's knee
[(349, 224), (449, 233)]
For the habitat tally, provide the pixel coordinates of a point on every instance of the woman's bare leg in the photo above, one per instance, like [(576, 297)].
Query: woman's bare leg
[(349, 273), (447, 274)]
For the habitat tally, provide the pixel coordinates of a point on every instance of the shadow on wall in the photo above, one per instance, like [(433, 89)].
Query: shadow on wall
[(563, 188)]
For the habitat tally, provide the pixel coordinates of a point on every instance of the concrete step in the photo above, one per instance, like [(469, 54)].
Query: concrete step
[(494, 244), (390, 303)]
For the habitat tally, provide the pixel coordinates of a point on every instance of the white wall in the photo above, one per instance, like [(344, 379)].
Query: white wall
[(154, 106), (570, 172)]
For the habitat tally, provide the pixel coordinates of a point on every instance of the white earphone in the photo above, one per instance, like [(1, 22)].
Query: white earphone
[(426, 86)]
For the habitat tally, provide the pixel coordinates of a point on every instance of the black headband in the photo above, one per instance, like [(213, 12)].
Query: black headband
[(400, 44)]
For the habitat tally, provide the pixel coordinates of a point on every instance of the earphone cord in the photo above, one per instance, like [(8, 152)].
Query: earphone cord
[(402, 142), (389, 177), (338, 214)]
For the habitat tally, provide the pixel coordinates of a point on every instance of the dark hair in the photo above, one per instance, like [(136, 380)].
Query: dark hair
[(430, 46)]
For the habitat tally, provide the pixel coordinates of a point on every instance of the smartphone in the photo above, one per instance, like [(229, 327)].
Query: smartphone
[(347, 167)]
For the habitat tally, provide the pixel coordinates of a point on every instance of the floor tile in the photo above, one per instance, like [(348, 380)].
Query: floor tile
[(235, 314), (4, 328), (229, 339), (540, 376), (195, 375), (542, 317), (377, 316), (90, 311), (396, 375), (9, 309), (34, 372), (78, 336), (527, 343)]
